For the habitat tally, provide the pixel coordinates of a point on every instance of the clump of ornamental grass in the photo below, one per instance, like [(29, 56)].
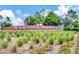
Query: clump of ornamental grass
[(8, 37), (17, 33), (42, 50), (2, 35), (64, 49), (4, 44), (63, 38), (77, 44), (44, 39), (38, 51), (77, 51), (14, 48), (48, 47), (70, 44), (60, 41), (31, 47), (36, 40), (78, 37), (11, 33), (51, 40), (67, 44), (25, 39), (70, 37), (19, 42)]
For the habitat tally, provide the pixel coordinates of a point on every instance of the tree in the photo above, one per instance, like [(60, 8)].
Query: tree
[(69, 21), (5, 22), (29, 20), (36, 19), (1, 18), (39, 19), (72, 14), (76, 24), (52, 19)]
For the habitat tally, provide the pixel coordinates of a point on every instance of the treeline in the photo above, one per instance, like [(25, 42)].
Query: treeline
[(70, 21)]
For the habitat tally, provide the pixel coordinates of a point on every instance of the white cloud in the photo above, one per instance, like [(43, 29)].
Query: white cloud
[(8, 13), (15, 21), (62, 10)]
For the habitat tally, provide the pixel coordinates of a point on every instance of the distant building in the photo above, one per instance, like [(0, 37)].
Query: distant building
[(33, 27)]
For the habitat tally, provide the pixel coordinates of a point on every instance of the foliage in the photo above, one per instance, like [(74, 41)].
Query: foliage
[(38, 18), (52, 19), (6, 22), (71, 20), (29, 20)]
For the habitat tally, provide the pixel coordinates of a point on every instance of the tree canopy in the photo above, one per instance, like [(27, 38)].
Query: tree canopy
[(52, 19), (5, 22), (71, 20)]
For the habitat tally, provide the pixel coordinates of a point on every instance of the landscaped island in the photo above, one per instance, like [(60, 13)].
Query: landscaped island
[(38, 41)]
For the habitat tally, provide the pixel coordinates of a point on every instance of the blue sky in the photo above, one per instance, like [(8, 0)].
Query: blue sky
[(19, 12), (27, 9)]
